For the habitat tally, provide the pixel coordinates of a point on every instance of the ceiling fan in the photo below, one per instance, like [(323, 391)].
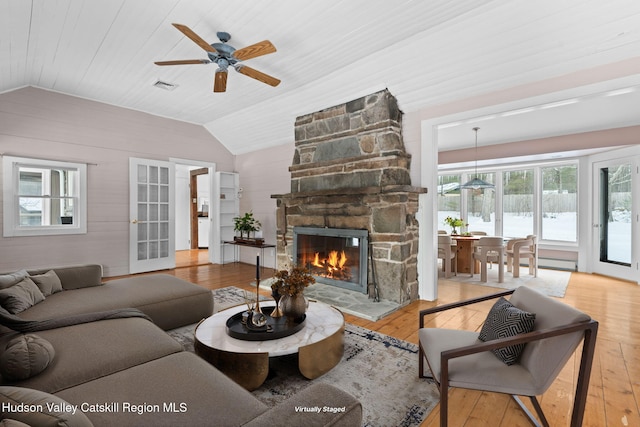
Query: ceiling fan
[(225, 55)]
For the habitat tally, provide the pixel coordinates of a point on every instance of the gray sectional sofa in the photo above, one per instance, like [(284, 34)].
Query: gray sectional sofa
[(74, 358)]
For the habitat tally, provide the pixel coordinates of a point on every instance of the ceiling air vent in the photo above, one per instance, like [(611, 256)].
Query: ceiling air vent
[(165, 85)]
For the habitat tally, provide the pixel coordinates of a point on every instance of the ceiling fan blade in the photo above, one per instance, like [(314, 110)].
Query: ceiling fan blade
[(262, 48), (193, 36), (258, 75), (183, 62), (220, 81)]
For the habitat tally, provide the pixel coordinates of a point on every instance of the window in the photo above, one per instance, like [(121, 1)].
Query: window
[(43, 197), (448, 198), (559, 203), (538, 199), (517, 202)]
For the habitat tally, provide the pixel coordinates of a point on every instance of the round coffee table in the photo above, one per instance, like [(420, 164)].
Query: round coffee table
[(319, 345)]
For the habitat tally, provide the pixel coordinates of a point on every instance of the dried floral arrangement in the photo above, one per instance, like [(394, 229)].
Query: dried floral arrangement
[(292, 281)]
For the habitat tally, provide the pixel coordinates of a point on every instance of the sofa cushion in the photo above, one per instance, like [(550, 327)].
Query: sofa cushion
[(75, 276), (187, 391), (10, 279), (25, 356), (81, 276), (473, 371), (21, 296), (48, 283), (171, 302), (506, 320), (92, 350), (44, 409)]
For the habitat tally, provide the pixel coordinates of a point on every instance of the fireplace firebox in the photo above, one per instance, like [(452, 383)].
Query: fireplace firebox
[(335, 256)]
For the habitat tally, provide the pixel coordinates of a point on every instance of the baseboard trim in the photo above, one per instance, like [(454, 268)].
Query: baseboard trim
[(555, 264)]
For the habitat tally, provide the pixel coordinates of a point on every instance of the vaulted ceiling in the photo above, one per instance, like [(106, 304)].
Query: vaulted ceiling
[(427, 53)]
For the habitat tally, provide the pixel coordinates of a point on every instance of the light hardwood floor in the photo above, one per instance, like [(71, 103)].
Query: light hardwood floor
[(191, 257), (614, 391)]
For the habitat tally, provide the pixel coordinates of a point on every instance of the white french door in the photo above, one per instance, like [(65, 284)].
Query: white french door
[(616, 250), (152, 216)]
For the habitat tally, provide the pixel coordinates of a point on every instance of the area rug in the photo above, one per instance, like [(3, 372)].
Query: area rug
[(379, 370), (550, 282)]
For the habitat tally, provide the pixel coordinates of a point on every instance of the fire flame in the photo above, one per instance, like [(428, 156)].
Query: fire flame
[(333, 262), (316, 261), (336, 262)]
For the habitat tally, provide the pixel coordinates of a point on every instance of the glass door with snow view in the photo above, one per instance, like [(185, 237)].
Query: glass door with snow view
[(615, 219)]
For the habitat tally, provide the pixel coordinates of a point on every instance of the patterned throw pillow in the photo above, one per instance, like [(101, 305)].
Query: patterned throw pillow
[(506, 320)]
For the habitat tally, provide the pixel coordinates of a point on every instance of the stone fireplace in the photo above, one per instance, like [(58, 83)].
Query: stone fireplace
[(350, 172)]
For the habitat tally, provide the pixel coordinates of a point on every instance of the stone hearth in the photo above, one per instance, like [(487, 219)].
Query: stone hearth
[(350, 170)]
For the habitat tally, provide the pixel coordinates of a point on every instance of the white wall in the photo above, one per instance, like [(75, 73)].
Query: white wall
[(262, 174), (38, 123)]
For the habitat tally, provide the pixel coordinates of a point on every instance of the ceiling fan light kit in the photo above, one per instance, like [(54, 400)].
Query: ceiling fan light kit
[(476, 183), (225, 55), (220, 80)]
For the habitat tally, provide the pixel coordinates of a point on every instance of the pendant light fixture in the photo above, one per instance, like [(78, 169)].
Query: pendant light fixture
[(476, 183)]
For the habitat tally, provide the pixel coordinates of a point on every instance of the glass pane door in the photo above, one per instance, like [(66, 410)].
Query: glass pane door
[(616, 236), (616, 214), (152, 233)]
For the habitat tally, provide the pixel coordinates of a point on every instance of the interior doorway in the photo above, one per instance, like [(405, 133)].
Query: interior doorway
[(193, 202), (199, 202)]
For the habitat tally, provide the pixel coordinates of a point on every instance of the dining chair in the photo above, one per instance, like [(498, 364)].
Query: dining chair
[(475, 244), (448, 254), (522, 248), (489, 249), (512, 354)]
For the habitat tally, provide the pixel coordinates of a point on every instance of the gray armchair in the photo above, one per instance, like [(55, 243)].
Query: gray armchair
[(458, 358)]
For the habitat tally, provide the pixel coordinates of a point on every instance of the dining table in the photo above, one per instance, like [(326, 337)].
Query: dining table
[(464, 250)]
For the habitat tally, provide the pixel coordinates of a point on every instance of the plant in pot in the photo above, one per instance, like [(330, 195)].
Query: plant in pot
[(246, 224), (454, 223)]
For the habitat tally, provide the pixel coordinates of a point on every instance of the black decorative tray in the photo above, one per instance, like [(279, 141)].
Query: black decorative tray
[(276, 327)]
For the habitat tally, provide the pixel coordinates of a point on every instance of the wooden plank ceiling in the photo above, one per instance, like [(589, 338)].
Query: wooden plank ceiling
[(425, 52)]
